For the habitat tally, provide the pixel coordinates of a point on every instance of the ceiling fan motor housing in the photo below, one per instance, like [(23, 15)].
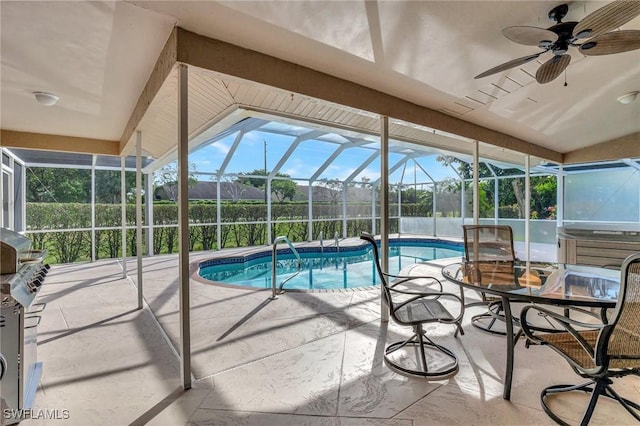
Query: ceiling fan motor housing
[(564, 30)]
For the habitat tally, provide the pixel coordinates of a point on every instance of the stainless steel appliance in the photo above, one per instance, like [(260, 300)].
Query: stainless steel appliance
[(21, 276)]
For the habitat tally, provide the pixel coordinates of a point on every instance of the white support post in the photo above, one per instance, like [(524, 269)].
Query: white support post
[(123, 215), (560, 197), (310, 210), (268, 194), (496, 195), (384, 207), (93, 207), (344, 209), (183, 226), (462, 199), (373, 210), (435, 209), (476, 182), (527, 208), (148, 204), (139, 214), (399, 207), (218, 213)]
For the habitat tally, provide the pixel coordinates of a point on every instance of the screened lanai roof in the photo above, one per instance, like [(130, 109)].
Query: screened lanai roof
[(36, 158), (320, 147)]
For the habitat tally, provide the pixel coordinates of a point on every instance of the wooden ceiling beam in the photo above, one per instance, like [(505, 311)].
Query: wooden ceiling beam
[(45, 142), (623, 147)]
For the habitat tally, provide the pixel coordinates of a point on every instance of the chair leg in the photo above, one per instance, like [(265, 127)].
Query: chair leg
[(493, 313), (602, 388), (632, 407), (550, 390), (423, 342), (423, 356)]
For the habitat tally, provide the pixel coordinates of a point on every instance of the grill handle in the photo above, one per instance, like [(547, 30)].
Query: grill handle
[(36, 307), (35, 324), (33, 256), (3, 366)]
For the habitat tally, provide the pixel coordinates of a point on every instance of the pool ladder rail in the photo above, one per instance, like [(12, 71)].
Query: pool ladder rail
[(274, 262)]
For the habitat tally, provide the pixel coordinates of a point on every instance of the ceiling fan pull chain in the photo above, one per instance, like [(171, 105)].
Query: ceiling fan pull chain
[(565, 78)]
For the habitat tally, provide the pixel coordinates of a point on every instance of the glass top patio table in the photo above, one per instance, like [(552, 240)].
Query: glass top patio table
[(560, 285), (554, 284)]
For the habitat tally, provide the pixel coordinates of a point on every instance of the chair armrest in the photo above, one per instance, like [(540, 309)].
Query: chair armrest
[(565, 322), (402, 279), (562, 318)]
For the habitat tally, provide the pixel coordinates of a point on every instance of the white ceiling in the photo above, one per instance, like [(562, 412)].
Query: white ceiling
[(97, 56)]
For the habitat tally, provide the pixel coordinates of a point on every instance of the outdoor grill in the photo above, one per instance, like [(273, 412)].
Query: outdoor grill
[(21, 276)]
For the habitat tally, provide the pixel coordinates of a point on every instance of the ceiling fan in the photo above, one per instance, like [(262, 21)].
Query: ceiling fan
[(591, 36)]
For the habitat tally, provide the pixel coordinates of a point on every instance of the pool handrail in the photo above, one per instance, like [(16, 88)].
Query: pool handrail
[(336, 237), (274, 256)]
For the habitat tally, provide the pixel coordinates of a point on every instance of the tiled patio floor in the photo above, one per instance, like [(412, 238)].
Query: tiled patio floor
[(305, 358)]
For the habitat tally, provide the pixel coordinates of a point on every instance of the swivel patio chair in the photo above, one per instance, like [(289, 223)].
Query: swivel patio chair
[(489, 248), (599, 352), (415, 301)]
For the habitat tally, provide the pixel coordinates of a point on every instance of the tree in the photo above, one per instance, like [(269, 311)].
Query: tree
[(283, 188), (167, 178), (334, 186), (47, 185), (510, 190), (251, 179), (108, 186)]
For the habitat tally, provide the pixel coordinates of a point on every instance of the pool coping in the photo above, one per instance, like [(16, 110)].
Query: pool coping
[(345, 245)]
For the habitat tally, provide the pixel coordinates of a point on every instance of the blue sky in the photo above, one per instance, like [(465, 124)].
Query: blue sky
[(306, 159)]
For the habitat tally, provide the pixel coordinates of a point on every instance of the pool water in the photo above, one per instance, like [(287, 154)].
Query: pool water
[(348, 268)]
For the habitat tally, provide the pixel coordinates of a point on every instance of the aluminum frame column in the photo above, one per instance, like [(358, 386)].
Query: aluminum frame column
[(373, 209), (560, 197), (148, 208), (123, 214), (384, 208), (218, 213), (434, 208), (344, 209), (476, 182), (93, 207), (183, 226), (269, 224), (310, 211), (527, 208), (139, 214)]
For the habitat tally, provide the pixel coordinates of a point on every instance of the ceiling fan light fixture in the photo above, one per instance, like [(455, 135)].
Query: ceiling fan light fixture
[(584, 34), (545, 44), (46, 99), (627, 98)]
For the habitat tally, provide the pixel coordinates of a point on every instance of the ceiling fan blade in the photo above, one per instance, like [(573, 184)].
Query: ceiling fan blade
[(552, 68), (530, 36), (610, 43), (607, 18), (507, 65)]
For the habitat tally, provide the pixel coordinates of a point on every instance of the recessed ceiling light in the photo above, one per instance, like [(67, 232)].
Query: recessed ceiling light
[(46, 99), (628, 97)]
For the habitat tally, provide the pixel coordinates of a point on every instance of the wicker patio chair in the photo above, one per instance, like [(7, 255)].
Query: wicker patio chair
[(599, 352), (415, 301)]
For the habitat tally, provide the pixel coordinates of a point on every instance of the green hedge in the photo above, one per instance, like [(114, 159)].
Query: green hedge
[(290, 219)]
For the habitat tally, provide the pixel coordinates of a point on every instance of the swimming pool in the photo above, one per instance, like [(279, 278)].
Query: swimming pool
[(350, 267)]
